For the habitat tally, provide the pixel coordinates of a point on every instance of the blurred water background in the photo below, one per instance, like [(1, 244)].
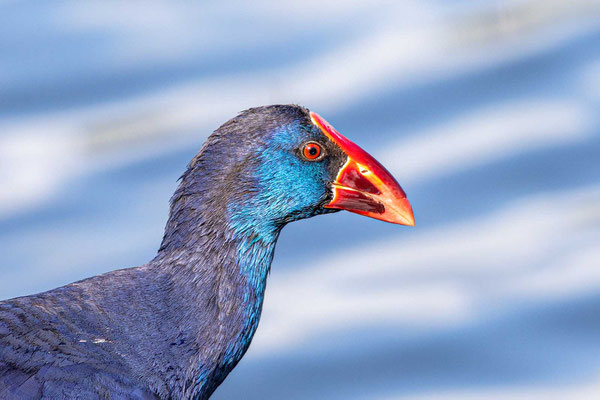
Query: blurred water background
[(486, 112)]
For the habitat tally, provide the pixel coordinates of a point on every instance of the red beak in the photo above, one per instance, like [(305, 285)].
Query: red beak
[(363, 185)]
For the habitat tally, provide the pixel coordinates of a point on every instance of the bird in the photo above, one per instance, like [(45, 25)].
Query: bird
[(174, 328)]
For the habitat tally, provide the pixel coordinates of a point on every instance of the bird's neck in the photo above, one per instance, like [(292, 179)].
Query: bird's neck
[(216, 240), (219, 259)]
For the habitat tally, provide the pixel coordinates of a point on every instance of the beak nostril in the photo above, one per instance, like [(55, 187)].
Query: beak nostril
[(362, 169)]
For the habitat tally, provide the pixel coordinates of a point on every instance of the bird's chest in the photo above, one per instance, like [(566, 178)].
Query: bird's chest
[(228, 336)]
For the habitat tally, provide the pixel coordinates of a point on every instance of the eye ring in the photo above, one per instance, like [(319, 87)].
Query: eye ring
[(312, 151)]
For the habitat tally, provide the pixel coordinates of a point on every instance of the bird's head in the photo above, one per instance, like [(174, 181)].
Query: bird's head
[(275, 164)]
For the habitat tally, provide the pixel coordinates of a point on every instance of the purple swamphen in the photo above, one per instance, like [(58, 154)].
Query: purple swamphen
[(176, 326)]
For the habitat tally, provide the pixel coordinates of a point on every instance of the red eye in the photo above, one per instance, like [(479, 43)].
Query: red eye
[(312, 151)]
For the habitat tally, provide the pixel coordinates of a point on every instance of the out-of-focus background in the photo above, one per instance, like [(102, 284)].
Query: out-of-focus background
[(487, 112)]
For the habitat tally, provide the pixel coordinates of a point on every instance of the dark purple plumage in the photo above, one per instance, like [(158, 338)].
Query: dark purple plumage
[(175, 327)]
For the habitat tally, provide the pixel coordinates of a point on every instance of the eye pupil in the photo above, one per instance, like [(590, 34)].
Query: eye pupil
[(312, 151)]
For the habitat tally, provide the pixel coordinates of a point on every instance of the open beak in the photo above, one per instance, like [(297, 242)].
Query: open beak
[(363, 185)]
